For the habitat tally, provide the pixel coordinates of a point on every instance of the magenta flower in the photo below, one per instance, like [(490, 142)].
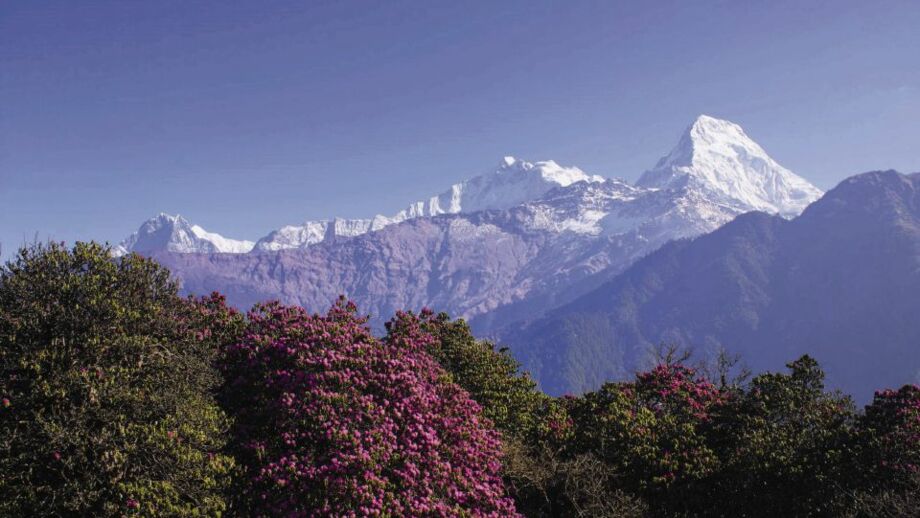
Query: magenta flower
[(331, 420)]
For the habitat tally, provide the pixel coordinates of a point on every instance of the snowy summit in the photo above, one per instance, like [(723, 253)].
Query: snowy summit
[(175, 234), (717, 157)]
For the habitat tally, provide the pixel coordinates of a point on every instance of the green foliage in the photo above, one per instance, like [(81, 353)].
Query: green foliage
[(779, 446), (106, 376), (655, 434), (537, 429), (885, 467), (510, 399), (786, 441), (672, 443)]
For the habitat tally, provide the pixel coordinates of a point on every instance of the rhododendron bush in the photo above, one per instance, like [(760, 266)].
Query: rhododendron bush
[(890, 436), (107, 389), (332, 421), (655, 432)]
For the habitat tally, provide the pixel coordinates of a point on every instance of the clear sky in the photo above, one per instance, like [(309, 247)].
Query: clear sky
[(245, 116)]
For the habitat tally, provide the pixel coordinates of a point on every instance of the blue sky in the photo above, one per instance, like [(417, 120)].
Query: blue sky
[(245, 116)]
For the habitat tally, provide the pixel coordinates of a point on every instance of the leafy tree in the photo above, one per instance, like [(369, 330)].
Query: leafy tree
[(786, 442), (509, 398), (890, 435), (105, 380), (332, 421), (885, 470), (654, 434), (535, 428)]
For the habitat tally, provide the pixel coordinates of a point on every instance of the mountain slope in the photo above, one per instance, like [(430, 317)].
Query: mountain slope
[(520, 260), (840, 282)]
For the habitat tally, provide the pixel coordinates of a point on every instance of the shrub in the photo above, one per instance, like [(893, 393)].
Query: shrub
[(332, 421), (535, 427), (509, 398), (787, 443), (890, 435), (653, 433), (106, 382)]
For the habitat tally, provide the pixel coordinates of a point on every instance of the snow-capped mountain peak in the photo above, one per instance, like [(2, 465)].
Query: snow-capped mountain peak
[(170, 233), (548, 170), (513, 182), (717, 157)]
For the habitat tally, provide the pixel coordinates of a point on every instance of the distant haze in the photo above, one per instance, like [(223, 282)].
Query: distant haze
[(248, 117)]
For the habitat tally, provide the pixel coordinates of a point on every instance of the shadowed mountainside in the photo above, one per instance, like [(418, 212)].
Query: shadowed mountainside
[(840, 282)]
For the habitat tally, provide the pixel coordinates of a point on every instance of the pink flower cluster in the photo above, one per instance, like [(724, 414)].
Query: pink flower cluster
[(334, 422), (683, 403), (894, 416), (676, 389)]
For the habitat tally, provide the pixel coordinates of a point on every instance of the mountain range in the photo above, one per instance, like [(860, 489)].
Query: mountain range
[(514, 242), (583, 275), (714, 160), (513, 182)]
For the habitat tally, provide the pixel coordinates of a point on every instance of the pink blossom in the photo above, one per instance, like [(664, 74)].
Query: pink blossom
[(347, 422)]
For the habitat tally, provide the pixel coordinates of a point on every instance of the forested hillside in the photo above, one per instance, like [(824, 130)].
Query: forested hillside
[(121, 398), (840, 283)]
